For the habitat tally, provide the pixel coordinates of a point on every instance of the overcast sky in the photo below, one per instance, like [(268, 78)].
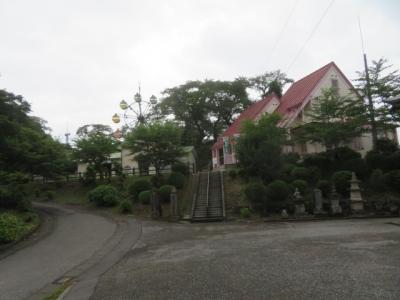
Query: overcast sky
[(75, 60)]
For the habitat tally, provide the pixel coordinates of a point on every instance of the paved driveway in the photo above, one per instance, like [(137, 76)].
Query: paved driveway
[(73, 243), (347, 259)]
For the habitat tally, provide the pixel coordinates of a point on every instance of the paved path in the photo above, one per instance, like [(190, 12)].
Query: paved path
[(345, 259), (76, 246)]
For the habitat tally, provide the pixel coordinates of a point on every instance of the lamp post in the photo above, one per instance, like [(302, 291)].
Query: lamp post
[(134, 113)]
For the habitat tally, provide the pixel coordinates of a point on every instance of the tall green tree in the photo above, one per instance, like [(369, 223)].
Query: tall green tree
[(334, 119), (269, 82), (94, 146), (260, 146), (157, 144), (384, 83)]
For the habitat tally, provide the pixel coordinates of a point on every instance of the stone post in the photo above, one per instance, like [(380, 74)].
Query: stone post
[(336, 209), (156, 209), (174, 204), (300, 209), (318, 209), (356, 201)]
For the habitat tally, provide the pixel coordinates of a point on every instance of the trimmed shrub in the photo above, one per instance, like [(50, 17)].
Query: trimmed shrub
[(315, 175), (376, 180), (386, 146), (49, 195), (301, 185), (256, 193), (392, 179), (144, 197), (325, 186), (300, 173), (12, 196), (139, 185), (10, 228), (180, 167), (358, 166), (157, 180), (277, 191), (232, 173), (245, 212), (177, 180), (341, 180), (89, 177), (103, 195), (165, 192), (291, 158), (125, 206)]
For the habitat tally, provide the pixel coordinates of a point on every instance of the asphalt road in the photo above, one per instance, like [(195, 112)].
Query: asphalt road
[(346, 259), (74, 239)]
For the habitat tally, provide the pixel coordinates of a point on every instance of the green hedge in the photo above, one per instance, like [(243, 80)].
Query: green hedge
[(10, 228), (138, 186), (103, 195), (144, 197)]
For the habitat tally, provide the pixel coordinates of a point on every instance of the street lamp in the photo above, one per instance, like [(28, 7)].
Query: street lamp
[(134, 113)]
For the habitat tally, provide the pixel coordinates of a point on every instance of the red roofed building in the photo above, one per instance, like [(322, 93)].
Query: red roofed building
[(291, 106)]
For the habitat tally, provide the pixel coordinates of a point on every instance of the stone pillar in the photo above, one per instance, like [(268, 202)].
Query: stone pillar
[(335, 208), (299, 207), (156, 209), (356, 201), (318, 210), (174, 204)]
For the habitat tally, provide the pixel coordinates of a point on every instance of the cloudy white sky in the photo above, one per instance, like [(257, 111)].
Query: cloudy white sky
[(75, 60)]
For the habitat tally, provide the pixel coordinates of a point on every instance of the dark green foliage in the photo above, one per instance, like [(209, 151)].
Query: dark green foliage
[(103, 195), (277, 191), (358, 166), (269, 82), (259, 147), (180, 167), (392, 180), (301, 173), (325, 186), (245, 212), (385, 161), (286, 172), (10, 228), (290, 158), (376, 181), (165, 193), (144, 197), (341, 180), (157, 180), (125, 206), (157, 144), (89, 178), (386, 146), (301, 185), (232, 173), (139, 185), (50, 195), (256, 193), (177, 180)]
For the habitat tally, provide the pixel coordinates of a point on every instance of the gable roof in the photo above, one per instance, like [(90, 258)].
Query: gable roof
[(294, 98)]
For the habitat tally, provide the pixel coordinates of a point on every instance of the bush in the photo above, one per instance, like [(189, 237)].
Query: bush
[(392, 179), (12, 196), (125, 206), (50, 195), (138, 186), (157, 180), (89, 178), (300, 173), (177, 180), (144, 197), (358, 166), (10, 228), (245, 212), (256, 193), (103, 195), (325, 186), (165, 193), (290, 158), (341, 180), (386, 146), (180, 167), (301, 185), (277, 191), (376, 180), (232, 173)]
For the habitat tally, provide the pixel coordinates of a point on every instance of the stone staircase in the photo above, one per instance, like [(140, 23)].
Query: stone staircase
[(208, 202)]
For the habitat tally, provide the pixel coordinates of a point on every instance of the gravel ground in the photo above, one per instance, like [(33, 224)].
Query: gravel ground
[(347, 259)]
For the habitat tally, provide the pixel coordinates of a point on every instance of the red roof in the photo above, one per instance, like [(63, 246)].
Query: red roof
[(291, 101)]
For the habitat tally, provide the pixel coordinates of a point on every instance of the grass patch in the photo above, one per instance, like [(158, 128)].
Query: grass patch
[(57, 292)]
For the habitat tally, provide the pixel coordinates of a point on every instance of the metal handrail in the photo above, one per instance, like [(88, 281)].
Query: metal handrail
[(208, 189), (196, 190), (222, 194)]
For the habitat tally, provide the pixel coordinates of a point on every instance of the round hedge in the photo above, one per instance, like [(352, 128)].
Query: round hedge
[(301, 185), (125, 206), (256, 193), (103, 195), (325, 186), (139, 185), (341, 180), (165, 192), (278, 191), (176, 179), (144, 197)]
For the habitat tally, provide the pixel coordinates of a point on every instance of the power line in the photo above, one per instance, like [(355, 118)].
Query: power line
[(280, 35), (310, 35)]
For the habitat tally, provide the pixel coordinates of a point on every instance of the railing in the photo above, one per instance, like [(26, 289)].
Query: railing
[(196, 191), (208, 190), (222, 194)]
